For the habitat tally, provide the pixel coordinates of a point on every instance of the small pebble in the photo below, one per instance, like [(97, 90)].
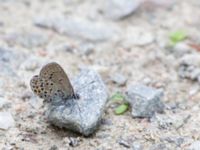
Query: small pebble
[(71, 141), (119, 9), (145, 101), (6, 120), (137, 146), (189, 67), (124, 143), (119, 79)]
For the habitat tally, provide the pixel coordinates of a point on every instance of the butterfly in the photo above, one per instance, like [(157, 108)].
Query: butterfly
[(51, 82)]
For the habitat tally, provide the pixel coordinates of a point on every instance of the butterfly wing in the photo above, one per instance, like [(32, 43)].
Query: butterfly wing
[(53, 72), (43, 88)]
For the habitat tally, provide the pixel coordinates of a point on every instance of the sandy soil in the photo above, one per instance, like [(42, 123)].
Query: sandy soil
[(138, 50)]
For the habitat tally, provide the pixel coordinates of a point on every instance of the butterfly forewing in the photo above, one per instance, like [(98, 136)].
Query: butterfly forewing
[(53, 72)]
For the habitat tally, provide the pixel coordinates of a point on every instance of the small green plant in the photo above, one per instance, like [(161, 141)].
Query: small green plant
[(177, 36), (117, 97), (121, 109), (122, 104)]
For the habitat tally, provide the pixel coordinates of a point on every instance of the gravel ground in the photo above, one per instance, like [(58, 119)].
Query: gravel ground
[(79, 34)]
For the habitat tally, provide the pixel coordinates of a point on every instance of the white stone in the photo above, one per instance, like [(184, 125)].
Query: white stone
[(6, 120), (118, 9)]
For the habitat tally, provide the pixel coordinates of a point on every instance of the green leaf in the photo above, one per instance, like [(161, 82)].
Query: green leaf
[(117, 97), (121, 109), (177, 36)]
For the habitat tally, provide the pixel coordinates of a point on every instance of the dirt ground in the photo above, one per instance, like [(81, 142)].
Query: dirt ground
[(137, 48)]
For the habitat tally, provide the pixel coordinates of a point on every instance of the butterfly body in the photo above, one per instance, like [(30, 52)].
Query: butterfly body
[(52, 82)]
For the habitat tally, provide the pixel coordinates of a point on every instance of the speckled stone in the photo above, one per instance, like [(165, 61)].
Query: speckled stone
[(84, 114), (145, 101)]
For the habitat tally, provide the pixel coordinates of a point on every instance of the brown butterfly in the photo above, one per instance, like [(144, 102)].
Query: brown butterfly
[(52, 82)]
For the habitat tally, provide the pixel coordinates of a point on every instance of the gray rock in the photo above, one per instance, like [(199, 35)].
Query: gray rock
[(191, 59), (82, 115), (145, 101), (118, 9), (6, 120), (119, 79), (189, 67), (79, 28)]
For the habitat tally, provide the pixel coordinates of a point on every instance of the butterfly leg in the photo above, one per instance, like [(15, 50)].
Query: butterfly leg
[(75, 96)]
